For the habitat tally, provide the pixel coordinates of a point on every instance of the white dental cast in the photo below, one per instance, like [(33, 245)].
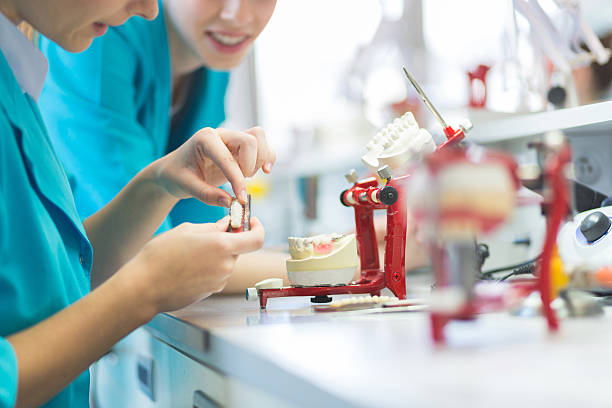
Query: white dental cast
[(329, 259), (399, 144)]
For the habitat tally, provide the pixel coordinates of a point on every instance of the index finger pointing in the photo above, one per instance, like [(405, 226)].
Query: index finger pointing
[(217, 151)]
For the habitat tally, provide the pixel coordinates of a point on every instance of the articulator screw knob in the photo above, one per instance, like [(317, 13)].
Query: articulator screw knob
[(387, 195), (384, 172), (466, 125), (352, 176)]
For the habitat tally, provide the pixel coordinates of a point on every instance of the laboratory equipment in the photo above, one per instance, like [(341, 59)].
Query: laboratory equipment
[(365, 196), (463, 191), (585, 241), (401, 145), (561, 42)]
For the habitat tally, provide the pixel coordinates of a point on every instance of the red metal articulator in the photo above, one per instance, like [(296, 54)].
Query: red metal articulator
[(365, 196)]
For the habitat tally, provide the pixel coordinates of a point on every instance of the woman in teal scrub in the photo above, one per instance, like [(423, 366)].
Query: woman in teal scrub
[(51, 327), (142, 90)]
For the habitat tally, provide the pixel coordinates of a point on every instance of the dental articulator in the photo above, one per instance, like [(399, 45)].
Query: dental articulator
[(325, 265), (455, 192)]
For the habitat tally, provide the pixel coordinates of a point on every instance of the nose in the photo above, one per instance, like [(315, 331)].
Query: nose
[(146, 9), (235, 11)]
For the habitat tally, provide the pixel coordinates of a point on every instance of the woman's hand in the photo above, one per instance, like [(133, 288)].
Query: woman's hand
[(210, 158), (188, 263)]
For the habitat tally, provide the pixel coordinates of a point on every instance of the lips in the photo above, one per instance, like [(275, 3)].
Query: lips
[(226, 42)]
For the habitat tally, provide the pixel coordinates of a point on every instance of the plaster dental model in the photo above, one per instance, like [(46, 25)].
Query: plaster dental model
[(468, 198), (240, 215), (322, 260), (399, 144)]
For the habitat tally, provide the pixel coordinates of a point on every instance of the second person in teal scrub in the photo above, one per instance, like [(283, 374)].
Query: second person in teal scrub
[(142, 90)]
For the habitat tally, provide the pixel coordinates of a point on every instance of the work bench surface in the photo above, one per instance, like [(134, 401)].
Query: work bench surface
[(366, 359)]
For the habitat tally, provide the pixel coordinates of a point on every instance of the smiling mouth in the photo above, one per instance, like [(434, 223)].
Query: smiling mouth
[(228, 40)]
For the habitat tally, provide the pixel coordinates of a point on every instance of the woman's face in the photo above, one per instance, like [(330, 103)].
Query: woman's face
[(219, 32), (73, 24)]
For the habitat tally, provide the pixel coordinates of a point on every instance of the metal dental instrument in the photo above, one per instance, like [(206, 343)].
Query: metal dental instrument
[(425, 99), (453, 136)]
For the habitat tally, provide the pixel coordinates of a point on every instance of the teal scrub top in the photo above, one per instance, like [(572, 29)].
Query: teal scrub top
[(108, 112), (45, 257)]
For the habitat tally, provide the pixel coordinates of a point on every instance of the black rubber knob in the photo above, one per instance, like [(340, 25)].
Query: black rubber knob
[(387, 195), (342, 199), (556, 96), (595, 225)]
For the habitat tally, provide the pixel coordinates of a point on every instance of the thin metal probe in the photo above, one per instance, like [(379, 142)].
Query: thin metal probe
[(425, 99)]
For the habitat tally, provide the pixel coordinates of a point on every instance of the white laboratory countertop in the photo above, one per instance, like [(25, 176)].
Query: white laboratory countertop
[(387, 360)]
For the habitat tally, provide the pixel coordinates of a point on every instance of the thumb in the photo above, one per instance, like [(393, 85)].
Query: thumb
[(223, 223)]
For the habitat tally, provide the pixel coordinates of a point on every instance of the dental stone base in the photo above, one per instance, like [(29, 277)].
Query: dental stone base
[(322, 277)]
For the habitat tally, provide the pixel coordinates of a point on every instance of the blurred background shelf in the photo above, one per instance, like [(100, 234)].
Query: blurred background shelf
[(491, 131)]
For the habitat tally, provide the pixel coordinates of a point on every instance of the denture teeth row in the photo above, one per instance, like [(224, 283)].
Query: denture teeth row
[(393, 131), (301, 244), (362, 300)]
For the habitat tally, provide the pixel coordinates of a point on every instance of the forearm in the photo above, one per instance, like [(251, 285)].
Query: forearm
[(254, 267), (120, 229), (55, 351)]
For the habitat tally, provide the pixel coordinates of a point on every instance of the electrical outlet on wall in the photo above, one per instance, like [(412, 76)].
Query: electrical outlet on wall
[(591, 153), (587, 168)]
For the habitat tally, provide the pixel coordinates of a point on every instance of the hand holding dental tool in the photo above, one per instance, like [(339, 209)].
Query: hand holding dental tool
[(195, 169), (186, 251), (209, 159)]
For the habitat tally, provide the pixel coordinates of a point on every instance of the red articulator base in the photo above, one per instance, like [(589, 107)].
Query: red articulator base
[(373, 287), (438, 320)]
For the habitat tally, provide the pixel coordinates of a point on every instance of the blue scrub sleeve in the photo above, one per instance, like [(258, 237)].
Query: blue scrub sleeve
[(89, 108), (8, 374)]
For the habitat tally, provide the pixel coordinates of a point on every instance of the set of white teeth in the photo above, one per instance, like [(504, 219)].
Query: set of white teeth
[(228, 40), (394, 130), (300, 243), (398, 143), (362, 300)]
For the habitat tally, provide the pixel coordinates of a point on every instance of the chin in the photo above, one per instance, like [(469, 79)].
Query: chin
[(79, 45), (218, 62), (223, 65)]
